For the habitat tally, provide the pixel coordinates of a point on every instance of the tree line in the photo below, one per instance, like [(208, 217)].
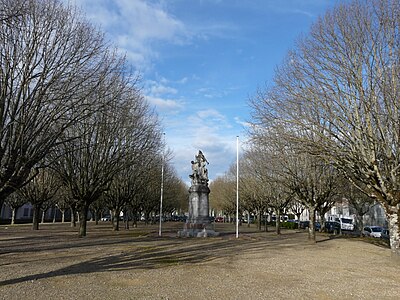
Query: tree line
[(75, 128), (328, 125)]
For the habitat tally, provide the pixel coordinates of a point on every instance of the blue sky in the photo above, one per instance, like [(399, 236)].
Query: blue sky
[(201, 60)]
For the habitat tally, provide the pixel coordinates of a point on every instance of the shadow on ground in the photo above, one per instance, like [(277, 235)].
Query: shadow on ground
[(118, 252)]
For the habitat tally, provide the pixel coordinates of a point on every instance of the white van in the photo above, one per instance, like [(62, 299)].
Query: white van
[(347, 223)]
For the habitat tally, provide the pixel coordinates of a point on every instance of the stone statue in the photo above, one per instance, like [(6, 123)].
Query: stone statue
[(198, 223), (199, 169)]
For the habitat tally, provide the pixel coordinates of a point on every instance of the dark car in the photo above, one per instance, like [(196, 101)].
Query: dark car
[(385, 234), (304, 224), (106, 218), (317, 226), (332, 227), (219, 219)]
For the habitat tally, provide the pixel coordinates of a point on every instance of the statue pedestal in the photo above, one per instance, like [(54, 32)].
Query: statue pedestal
[(199, 223)]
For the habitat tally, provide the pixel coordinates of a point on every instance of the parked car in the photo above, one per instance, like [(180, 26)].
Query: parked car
[(347, 223), (245, 220), (106, 218), (219, 219), (372, 231), (317, 226), (304, 224), (385, 234), (332, 227)]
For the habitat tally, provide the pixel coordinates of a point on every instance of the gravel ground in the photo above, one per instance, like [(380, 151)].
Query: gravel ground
[(53, 263)]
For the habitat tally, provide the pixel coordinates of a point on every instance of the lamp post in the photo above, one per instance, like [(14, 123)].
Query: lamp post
[(162, 191), (237, 186)]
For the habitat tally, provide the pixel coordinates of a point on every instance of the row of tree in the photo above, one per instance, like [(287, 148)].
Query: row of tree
[(332, 115), (274, 184), (334, 107), (73, 122), (134, 196)]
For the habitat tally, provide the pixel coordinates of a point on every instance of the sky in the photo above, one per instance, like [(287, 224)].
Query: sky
[(200, 61)]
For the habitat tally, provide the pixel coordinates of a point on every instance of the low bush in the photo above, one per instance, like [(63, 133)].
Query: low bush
[(289, 225)]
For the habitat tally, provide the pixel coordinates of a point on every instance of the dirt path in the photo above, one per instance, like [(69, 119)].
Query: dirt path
[(136, 264)]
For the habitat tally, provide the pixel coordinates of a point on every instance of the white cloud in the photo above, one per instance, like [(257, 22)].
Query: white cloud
[(207, 130), (134, 26), (162, 89), (182, 80), (158, 94), (244, 124), (211, 114), (147, 21), (165, 105), (208, 121), (219, 149)]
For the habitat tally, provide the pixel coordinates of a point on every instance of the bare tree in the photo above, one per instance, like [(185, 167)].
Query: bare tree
[(325, 207), (176, 193), (313, 182), (253, 192), (341, 83), (14, 201), (9, 16), (150, 193), (304, 177), (129, 181), (50, 58), (103, 144), (297, 208), (261, 165), (222, 196), (41, 189), (360, 202)]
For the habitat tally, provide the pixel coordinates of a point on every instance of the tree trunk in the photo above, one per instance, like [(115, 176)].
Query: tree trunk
[(54, 214), (322, 221), (43, 215), (115, 218), (13, 215), (278, 221), (393, 218), (36, 214), (62, 215), (126, 223), (73, 217), (360, 223), (298, 215), (83, 220), (2, 202), (126, 219), (311, 227), (135, 219), (96, 216)]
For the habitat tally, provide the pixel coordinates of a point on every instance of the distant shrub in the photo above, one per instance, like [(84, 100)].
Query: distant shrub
[(289, 225)]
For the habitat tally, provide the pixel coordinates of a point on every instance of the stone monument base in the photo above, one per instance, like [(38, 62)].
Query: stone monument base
[(197, 230)]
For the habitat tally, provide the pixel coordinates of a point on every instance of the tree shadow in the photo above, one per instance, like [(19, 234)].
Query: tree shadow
[(153, 253), (374, 241)]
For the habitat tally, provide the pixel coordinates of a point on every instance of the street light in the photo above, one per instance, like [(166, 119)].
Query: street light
[(237, 186), (162, 189)]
